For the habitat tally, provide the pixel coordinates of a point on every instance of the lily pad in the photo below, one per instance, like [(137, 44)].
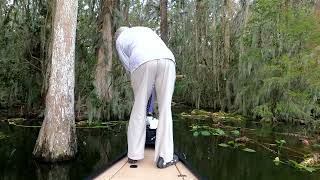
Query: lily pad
[(219, 132), (224, 145), (249, 150), (3, 136), (205, 133), (309, 169), (316, 145), (235, 132)]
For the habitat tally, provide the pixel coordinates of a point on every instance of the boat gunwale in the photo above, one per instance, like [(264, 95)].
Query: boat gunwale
[(190, 167), (106, 166)]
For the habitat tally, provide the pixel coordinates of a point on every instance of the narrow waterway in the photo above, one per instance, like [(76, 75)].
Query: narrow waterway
[(97, 147)]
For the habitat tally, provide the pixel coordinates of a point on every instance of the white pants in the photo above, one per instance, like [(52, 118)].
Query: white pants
[(160, 74)]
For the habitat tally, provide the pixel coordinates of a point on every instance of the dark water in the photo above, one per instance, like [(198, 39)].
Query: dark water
[(96, 147), (100, 146), (214, 162)]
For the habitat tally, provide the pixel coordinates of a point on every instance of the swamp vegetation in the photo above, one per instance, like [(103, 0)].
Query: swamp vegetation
[(239, 134), (99, 146), (256, 58)]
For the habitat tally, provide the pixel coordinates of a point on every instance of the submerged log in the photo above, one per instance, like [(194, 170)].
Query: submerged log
[(180, 76), (16, 120)]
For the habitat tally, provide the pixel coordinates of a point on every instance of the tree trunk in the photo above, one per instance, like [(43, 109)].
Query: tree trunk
[(103, 69), (201, 18), (164, 20), (46, 48), (225, 24), (197, 53), (245, 9), (317, 8), (225, 29), (57, 138), (115, 23), (126, 12)]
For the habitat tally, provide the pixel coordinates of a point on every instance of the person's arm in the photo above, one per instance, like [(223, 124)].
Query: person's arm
[(123, 57)]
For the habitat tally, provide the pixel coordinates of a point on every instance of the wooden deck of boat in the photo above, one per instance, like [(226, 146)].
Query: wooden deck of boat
[(146, 169)]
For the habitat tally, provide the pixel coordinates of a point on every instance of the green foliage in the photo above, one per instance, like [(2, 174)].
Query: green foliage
[(279, 68), (216, 116), (3, 136), (235, 133), (218, 132), (23, 39), (223, 145), (263, 111), (196, 133), (235, 145), (257, 58), (249, 150), (295, 164), (88, 40), (280, 144), (206, 131), (316, 146), (298, 166)]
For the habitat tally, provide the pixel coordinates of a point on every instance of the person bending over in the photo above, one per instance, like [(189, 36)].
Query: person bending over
[(150, 63)]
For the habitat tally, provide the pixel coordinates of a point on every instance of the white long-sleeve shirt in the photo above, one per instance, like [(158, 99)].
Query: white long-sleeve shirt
[(138, 45)]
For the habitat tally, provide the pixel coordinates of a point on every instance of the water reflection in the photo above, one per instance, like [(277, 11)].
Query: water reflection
[(96, 147), (53, 171), (214, 162)]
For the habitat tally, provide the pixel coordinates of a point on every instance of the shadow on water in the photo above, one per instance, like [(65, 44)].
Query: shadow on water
[(97, 147)]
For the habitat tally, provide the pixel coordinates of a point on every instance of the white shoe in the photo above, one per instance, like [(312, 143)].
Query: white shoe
[(153, 123), (148, 119)]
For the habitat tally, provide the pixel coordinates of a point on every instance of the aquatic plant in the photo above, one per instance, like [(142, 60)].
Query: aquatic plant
[(206, 131), (313, 160), (216, 116), (316, 145), (235, 145), (280, 144), (248, 150), (237, 142), (235, 133), (300, 166), (310, 164), (3, 136), (294, 164)]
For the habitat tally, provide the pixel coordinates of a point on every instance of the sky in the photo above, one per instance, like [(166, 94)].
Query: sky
[(10, 2)]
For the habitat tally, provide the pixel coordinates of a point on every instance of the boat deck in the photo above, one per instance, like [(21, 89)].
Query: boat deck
[(146, 169)]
